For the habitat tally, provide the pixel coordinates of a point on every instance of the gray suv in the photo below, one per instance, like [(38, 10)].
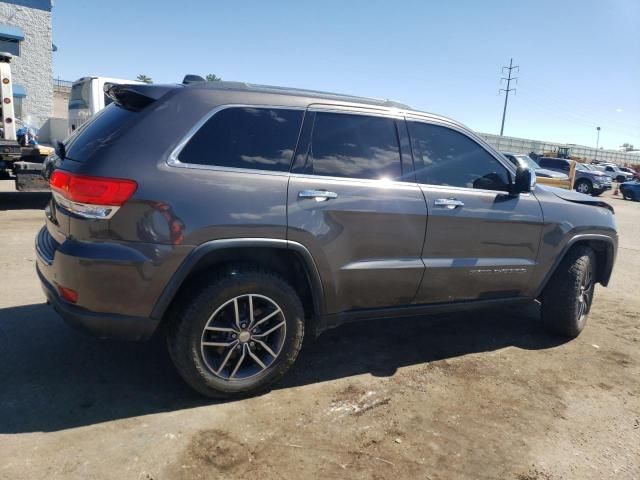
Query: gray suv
[(237, 219)]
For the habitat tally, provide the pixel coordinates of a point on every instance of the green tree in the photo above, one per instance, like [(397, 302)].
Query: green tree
[(144, 78), (212, 77)]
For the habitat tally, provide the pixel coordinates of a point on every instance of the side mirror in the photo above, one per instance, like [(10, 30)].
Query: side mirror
[(525, 180)]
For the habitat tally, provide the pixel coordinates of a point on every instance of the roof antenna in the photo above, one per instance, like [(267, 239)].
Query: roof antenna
[(190, 78)]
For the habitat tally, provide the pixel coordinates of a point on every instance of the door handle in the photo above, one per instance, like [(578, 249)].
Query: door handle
[(448, 203), (317, 195)]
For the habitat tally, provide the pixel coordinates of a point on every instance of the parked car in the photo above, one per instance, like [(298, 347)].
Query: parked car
[(631, 190), (614, 172), (533, 165), (237, 219), (635, 173), (587, 181)]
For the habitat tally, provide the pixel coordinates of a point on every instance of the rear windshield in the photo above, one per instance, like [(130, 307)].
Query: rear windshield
[(104, 128), (80, 95)]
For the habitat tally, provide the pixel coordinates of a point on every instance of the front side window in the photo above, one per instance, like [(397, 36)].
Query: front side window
[(246, 137), (449, 158), (354, 146)]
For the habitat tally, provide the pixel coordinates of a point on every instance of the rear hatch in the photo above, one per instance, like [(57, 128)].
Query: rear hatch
[(88, 141)]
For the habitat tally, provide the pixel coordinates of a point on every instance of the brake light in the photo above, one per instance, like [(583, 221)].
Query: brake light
[(91, 197)]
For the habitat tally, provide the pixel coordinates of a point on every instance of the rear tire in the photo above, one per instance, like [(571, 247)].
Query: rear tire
[(584, 186), (567, 298), (219, 351)]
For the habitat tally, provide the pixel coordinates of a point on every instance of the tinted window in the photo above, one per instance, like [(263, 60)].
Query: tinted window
[(354, 146), (446, 157), (80, 95), (255, 138), (101, 130), (554, 163)]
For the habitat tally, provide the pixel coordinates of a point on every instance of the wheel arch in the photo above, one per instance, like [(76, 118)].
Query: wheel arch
[(604, 248), (277, 255)]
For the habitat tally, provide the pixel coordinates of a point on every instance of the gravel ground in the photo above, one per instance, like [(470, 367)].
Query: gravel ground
[(471, 395)]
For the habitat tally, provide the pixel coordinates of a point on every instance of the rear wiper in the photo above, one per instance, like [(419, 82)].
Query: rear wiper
[(61, 150)]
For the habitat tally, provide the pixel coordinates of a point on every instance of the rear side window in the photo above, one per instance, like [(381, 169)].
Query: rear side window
[(553, 163), (449, 158), (103, 129), (246, 137), (354, 146)]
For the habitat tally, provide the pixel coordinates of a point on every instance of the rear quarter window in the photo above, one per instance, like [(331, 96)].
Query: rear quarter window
[(246, 137)]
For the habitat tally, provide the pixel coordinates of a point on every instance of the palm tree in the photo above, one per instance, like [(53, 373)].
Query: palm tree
[(212, 77), (144, 78)]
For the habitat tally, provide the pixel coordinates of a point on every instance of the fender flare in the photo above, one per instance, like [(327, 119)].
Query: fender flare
[(612, 248), (192, 259)]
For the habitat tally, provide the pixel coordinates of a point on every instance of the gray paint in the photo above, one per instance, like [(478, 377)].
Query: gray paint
[(375, 247)]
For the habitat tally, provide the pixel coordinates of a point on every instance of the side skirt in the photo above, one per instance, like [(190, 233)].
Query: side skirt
[(337, 319)]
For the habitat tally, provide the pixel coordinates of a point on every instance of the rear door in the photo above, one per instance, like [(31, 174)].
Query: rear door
[(481, 242), (354, 203)]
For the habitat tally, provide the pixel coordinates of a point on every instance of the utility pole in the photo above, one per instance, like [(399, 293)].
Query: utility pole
[(597, 142), (508, 78)]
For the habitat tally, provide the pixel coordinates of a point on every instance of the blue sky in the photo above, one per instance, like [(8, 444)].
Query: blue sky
[(579, 60)]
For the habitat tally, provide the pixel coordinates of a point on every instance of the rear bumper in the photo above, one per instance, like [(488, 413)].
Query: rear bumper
[(102, 325), (117, 284)]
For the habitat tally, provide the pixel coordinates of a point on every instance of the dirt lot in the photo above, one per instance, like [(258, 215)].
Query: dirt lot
[(472, 395)]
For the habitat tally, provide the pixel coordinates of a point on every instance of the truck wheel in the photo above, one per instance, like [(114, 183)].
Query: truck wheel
[(237, 335), (566, 300), (584, 186)]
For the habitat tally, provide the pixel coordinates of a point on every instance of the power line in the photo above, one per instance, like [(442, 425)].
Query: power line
[(511, 67)]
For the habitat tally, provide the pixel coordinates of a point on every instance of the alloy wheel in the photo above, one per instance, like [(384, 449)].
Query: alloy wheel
[(585, 296), (243, 337), (582, 187)]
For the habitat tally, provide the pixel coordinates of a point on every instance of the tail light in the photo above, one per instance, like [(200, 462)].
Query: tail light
[(90, 197)]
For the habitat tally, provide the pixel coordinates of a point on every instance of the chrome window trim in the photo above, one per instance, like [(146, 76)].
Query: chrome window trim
[(174, 160), (376, 182), (354, 110)]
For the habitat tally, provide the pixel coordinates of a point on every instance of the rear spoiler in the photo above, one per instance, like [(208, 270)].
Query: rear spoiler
[(135, 97)]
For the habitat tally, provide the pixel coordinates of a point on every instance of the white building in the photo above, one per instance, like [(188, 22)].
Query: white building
[(25, 32)]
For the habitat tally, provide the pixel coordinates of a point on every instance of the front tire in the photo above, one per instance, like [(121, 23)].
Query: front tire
[(237, 335), (584, 186), (567, 298)]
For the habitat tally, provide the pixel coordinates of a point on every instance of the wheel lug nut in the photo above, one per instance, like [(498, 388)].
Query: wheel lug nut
[(243, 325), (252, 344), (234, 336)]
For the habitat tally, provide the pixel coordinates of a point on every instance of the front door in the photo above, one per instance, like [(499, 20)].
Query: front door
[(349, 205), (481, 241)]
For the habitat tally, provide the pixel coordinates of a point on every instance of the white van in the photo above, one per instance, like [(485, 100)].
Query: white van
[(88, 98)]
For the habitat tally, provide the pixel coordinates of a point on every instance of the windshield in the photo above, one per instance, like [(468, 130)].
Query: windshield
[(583, 167), (80, 95), (529, 161)]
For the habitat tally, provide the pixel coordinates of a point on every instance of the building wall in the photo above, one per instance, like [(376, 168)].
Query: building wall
[(33, 68), (61, 94), (525, 145)]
